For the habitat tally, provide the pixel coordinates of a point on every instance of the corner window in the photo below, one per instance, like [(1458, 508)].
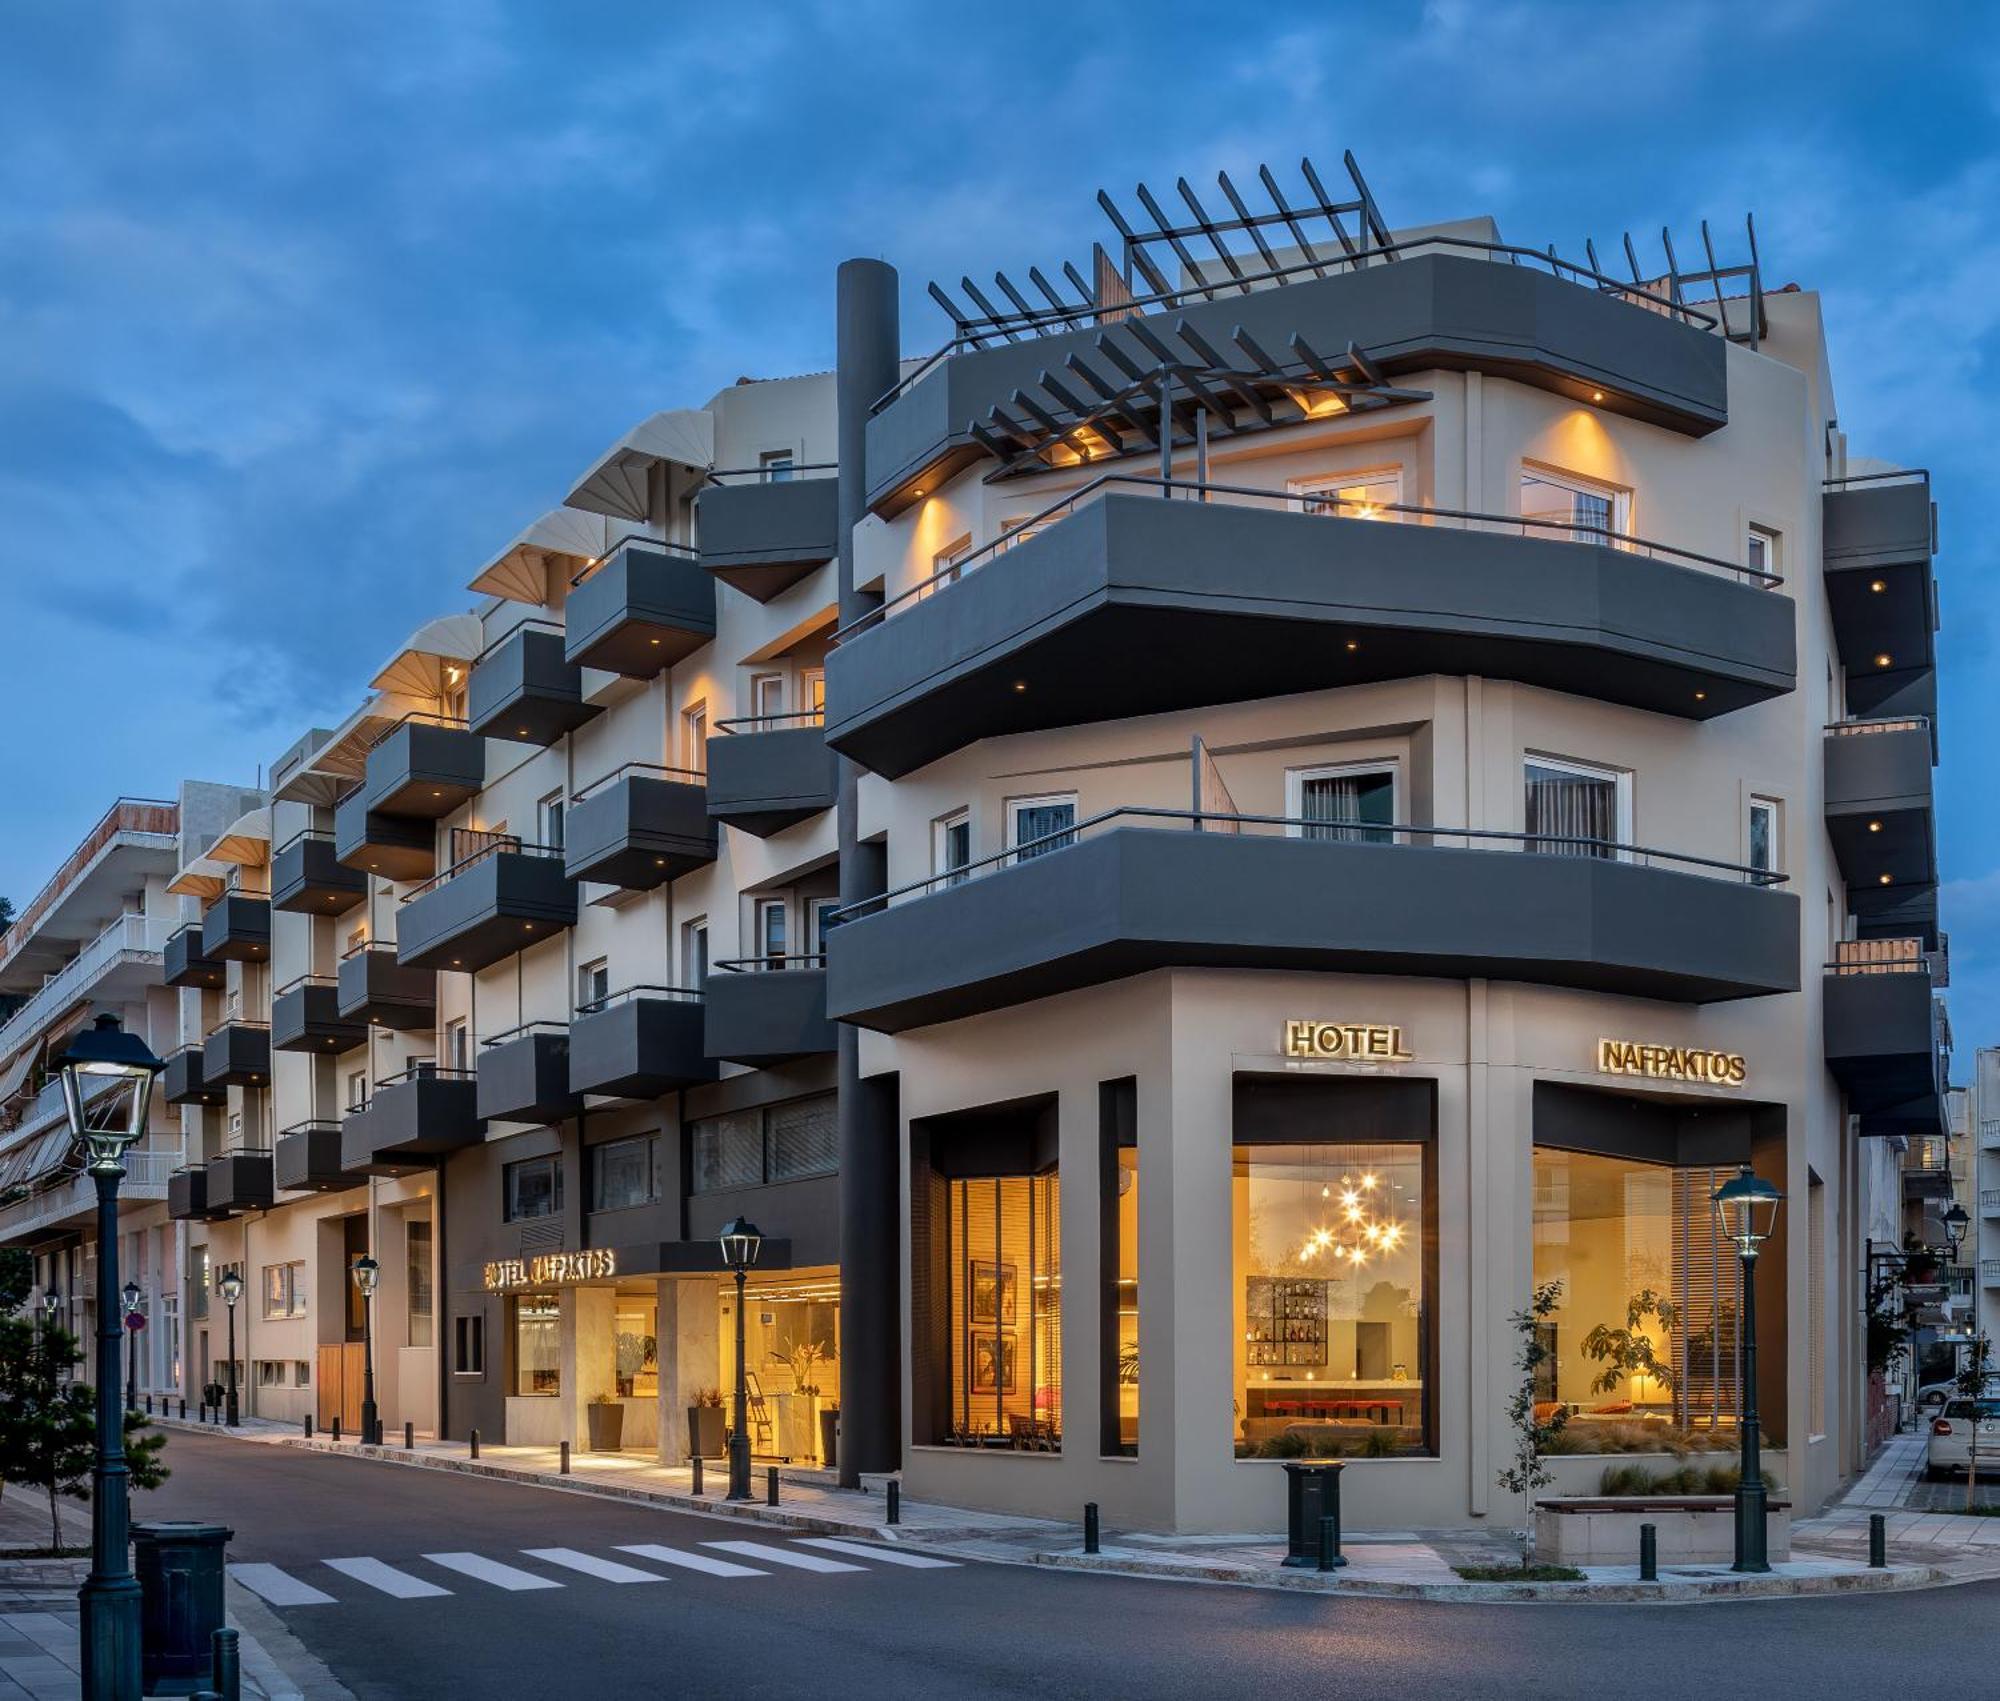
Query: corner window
[(951, 846), (1352, 496), (1559, 500), (1573, 809), (532, 1188), (1763, 835), (1038, 825), (621, 1174), (1354, 802)]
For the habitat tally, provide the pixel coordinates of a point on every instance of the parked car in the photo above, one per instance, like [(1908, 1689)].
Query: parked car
[(1932, 1396), (1965, 1433)]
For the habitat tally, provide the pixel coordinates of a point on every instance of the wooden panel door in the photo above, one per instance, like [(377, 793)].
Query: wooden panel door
[(327, 1399)]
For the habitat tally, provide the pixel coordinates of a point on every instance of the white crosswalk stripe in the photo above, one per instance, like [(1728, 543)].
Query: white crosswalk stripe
[(491, 1571), (888, 1555), (701, 1562), (387, 1578), (278, 1587), (609, 1570), (783, 1556)]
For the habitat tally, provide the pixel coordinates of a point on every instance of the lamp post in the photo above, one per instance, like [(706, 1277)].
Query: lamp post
[(134, 1320), (740, 1245), (1956, 1221), (109, 1598), (1746, 1210), (366, 1273), (231, 1289), (51, 1304)]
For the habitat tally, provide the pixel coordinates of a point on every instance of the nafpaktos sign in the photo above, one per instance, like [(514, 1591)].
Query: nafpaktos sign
[(551, 1269), (1352, 1042), (1671, 1063)]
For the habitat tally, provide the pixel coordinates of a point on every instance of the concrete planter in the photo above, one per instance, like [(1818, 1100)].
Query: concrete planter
[(708, 1432), (606, 1426), (1691, 1528)]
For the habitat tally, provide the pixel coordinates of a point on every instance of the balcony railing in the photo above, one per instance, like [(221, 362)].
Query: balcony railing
[(1864, 728), (775, 964), (1315, 502), (1989, 1201), (131, 934), (127, 815), (1882, 957), (145, 1181), (1989, 1272), (772, 723), (1989, 1132)]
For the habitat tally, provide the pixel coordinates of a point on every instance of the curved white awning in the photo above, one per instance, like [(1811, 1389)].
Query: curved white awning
[(616, 482), (203, 878), (246, 841), (416, 669), (520, 572)]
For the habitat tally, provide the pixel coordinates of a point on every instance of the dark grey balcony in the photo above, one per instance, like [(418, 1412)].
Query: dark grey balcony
[(237, 1054), (639, 1043), (1882, 1042), (497, 904), (1422, 313), (374, 987), (181, 1081), (397, 847), (305, 1016), (770, 772), (763, 537), (308, 878), (236, 928), (523, 689), (306, 1159), (424, 768), (413, 1120), (648, 606), (639, 826), (1878, 535), (240, 1181), (1132, 605), (1878, 802), (763, 1011), (187, 1195), (1122, 899), (524, 1075), (184, 965)]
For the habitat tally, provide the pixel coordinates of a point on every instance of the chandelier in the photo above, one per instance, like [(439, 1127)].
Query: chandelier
[(1358, 1231)]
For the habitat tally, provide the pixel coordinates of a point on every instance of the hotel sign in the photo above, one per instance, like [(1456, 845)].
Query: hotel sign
[(1347, 1042), (551, 1269), (1671, 1063)]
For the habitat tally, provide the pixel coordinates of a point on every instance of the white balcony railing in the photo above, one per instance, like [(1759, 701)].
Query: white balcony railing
[(1989, 1133), (145, 1183), (1989, 1201), (1989, 1272), (129, 936)]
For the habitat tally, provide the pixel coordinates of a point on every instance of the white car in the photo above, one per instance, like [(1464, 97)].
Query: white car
[(1966, 1433)]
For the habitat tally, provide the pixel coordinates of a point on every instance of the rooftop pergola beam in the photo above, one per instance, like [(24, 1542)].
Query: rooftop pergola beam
[(1173, 241), (1253, 226), (1214, 236), (1238, 383), (1135, 252), (1291, 221)]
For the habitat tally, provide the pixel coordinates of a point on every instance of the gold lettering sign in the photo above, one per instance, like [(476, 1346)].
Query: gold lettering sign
[(551, 1269), (1671, 1063), (1349, 1042)]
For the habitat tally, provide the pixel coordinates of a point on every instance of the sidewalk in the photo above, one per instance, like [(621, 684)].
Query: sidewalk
[(1412, 1564)]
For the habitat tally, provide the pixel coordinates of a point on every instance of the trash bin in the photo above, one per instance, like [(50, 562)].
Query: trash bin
[(180, 1567), (1312, 1492), (829, 1436)]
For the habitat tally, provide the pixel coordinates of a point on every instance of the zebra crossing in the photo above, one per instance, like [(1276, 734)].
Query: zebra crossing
[(432, 1575)]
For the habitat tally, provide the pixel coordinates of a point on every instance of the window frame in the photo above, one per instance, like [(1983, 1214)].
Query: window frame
[(817, 931), (765, 686), (1771, 808), (1577, 484), (593, 982), (508, 1190), (468, 1331), (694, 932), (942, 868), (1295, 790), (1040, 800), (651, 1142), (1754, 538), (777, 466), (1322, 485), (694, 737), (1591, 771)]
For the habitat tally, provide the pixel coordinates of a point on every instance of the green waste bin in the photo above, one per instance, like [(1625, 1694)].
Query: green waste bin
[(180, 1567)]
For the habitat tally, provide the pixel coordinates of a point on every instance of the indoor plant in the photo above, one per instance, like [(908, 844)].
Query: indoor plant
[(708, 1433), (606, 1418)]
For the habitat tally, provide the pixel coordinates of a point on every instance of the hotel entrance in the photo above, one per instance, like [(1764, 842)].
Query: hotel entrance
[(791, 1330)]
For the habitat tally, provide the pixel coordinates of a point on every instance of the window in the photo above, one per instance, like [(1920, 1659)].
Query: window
[(945, 566), (417, 1279), (1563, 499), (549, 821), (951, 846), (694, 738), (1764, 835), (694, 954), (301, 1373), (457, 1045), (532, 1188), (1816, 1305), (812, 691), (622, 1174), (997, 1242), (779, 466), (468, 1336), (767, 695), (1568, 802), (285, 1290), (1118, 1250), (771, 935), (1352, 496), (593, 982), (728, 1151), (1041, 824), (1332, 1296), (537, 1344), (272, 1372), (781, 1142), (357, 1089), (1760, 550), (1353, 801), (199, 1278), (819, 923)]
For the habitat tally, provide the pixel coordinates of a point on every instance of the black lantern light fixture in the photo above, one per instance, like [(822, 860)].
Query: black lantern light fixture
[(104, 1121), (1956, 1222), (366, 1274), (1746, 1211), (230, 1286), (134, 1297), (741, 1242), (52, 1304)]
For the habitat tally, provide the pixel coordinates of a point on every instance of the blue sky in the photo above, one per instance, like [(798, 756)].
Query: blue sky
[(304, 307)]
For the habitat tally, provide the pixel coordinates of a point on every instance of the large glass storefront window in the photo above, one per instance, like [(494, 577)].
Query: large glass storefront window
[(791, 1341), (1643, 1344), (1002, 1247), (1124, 1301), (637, 1346), (1331, 1296), (537, 1324)]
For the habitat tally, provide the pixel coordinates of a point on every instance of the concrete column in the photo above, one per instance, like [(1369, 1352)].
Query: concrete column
[(690, 1345), (589, 1355)]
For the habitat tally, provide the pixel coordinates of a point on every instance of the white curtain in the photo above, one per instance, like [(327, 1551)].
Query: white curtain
[(1355, 808), (1566, 805)]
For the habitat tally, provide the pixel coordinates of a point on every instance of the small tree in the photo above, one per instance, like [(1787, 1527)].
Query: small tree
[(1970, 1382), (17, 1278), (1526, 1472)]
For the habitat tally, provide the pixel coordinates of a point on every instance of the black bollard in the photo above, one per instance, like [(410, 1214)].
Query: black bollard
[(336, 1432), (1090, 1526), (771, 1486), (564, 1466), (696, 1462), (409, 1436), (149, 1405), (1330, 1557), (474, 1453), (226, 1665), (308, 1426), (895, 1493), (1878, 1542), (1649, 1554), (184, 1409)]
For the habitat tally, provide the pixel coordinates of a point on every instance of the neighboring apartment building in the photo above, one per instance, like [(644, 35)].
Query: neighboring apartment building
[(94, 938), (1985, 1246)]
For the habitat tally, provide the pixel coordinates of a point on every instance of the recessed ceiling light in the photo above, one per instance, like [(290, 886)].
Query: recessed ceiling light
[(1877, 586), (654, 642), (1701, 696), (1352, 646), (1884, 880), (1874, 826), (1020, 685), (1597, 395), (1884, 659)]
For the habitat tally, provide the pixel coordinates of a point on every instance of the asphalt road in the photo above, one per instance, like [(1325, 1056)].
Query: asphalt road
[(410, 1625)]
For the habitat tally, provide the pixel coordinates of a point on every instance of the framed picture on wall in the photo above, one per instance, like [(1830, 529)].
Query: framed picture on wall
[(993, 1360), (992, 1291)]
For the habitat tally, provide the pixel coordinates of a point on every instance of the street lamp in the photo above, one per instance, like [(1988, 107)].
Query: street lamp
[(366, 1273), (231, 1288), (109, 1599), (1956, 1221), (1746, 1210), (51, 1305), (133, 1319), (740, 1245)]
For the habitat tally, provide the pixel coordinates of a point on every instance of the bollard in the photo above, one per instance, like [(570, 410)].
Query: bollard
[(409, 1435), (184, 1409), (1649, 1554), (336, 1432), (306, 1425), (895, 1492), (149, 1406), (474, 1439), (696, 1462), (227, 1675), (564, 1466), (1090, 1526), (1329, 1544), (1878, 1542), (771, 1486)]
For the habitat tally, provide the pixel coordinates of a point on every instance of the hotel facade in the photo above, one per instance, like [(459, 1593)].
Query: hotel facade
[(1177, 857)]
